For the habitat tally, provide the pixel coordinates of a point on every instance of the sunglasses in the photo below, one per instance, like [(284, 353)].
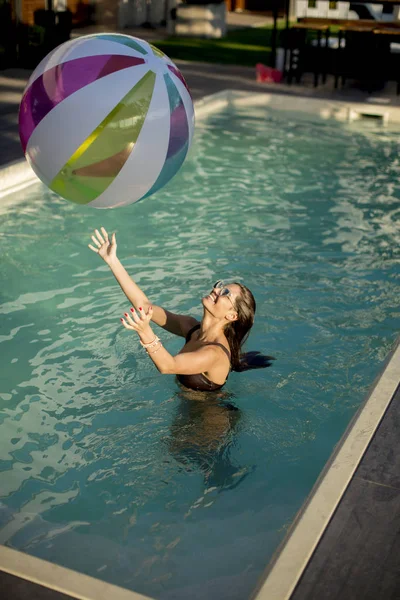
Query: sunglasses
[(219, 285)]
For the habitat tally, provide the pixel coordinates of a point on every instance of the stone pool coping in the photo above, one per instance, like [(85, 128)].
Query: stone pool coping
[(291, 558), (60, 579), (15, 176)]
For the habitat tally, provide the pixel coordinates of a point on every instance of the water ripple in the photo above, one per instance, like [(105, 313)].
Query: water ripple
[(98, 450)]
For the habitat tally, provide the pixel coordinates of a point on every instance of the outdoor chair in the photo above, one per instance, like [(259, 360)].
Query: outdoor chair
[(295, 41), (308, 51), (389, 43), (394, 64), (361, 58)]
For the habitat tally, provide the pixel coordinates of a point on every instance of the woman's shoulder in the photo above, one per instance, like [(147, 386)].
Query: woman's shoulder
[(223, 344)]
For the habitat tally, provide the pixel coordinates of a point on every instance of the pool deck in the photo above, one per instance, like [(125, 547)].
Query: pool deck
[(345, 540), (356, 557), (15, 588)]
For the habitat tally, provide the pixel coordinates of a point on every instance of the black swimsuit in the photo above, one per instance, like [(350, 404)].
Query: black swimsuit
[(200, 382)]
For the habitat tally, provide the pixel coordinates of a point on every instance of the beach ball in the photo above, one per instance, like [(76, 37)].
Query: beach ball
[(106, 120)]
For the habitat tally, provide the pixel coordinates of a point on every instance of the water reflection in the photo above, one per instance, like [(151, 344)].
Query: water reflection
[(203, 434)]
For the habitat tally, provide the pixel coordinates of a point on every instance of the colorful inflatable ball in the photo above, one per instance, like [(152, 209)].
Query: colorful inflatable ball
[(106, 120)]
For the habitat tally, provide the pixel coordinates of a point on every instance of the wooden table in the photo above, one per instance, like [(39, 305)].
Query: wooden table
[(277, 7), (356, 24), (394, 31), (322, 26), (314, 26), (350, 23)]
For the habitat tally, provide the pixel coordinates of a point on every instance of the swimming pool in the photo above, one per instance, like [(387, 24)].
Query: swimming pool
[(107, 467)]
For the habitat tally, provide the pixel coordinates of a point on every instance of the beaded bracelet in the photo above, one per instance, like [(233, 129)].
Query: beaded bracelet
[(150, 344), (155, 351)]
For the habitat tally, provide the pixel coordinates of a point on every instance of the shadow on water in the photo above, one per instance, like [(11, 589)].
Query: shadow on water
[(203, 434)]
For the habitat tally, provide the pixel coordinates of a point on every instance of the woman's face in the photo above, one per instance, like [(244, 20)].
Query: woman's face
[(221, 304)]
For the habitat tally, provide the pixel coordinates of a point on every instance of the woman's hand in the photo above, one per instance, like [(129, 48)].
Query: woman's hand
[(103, 246), (139, 323)]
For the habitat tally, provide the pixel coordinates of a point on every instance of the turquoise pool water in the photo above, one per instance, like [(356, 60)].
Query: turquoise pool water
[(107, 467)]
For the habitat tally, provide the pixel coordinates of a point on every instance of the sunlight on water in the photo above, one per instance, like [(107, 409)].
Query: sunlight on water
[(107, 466)]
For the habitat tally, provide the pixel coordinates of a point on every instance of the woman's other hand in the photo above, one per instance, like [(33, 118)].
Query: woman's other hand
[(103, 246), (138, 322)]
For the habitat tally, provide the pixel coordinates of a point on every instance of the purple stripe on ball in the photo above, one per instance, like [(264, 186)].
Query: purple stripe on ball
[(179, 75), (178, 138), (59, 82), (179, 134)]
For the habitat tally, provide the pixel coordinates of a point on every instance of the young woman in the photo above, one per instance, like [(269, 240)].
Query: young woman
[(212, 346)]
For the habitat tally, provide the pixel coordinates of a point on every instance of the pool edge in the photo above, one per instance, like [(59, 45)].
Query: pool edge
[(17, 175), (291, 558), (61, 579)]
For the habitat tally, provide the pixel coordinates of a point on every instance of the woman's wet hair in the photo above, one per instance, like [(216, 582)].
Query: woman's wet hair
[(238, 331)]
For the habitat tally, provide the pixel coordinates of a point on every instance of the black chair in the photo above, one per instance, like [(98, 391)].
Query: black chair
[(362, 58), (317, 60), (389, 44), (295, 43), (307, 51)]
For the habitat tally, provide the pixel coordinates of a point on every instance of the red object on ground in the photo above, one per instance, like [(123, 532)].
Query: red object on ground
[(267, 74)]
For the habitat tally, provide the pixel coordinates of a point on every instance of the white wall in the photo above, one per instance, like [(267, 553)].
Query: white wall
[(133, 13), (322, 10), (342, 10)]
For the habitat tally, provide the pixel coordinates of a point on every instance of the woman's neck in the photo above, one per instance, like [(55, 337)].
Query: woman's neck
[(210, 329)]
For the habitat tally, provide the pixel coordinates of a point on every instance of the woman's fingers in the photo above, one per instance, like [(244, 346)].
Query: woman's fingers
[(105, 234), (133, 314), (92, 248), (135, 320), (99, 236), (99, 239), (96, 241), (128, 325), (146, 316), (132, 319), (113, 240)]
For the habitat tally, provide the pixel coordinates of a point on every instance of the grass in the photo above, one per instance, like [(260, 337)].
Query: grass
[(244, 47)]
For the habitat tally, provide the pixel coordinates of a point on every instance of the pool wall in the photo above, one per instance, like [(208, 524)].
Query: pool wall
[(291, 558)]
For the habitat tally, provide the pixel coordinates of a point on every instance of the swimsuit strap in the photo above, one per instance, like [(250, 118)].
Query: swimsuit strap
[(221, 346), (189, 333), (195, 328)]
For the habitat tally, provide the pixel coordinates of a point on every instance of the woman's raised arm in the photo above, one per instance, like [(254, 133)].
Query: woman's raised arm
[(107, 249)]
